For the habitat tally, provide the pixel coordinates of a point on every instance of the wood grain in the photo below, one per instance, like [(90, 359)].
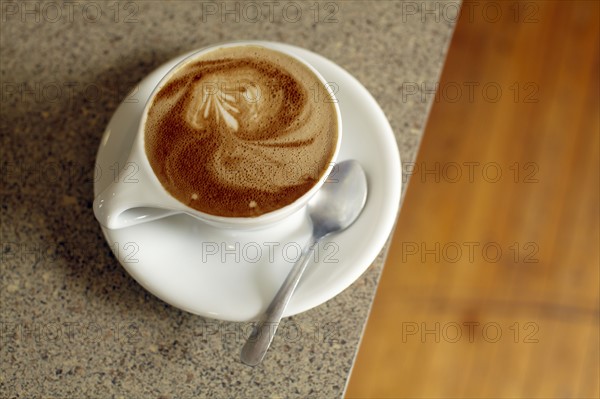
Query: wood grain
[(491, 288)]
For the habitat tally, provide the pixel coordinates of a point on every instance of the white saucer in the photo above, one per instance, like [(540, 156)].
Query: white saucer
[(175, 259)]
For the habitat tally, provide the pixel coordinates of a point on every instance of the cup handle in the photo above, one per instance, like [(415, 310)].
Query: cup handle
[(131, 200)]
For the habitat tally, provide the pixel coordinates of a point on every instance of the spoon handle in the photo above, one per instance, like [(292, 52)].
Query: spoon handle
[(260, 339)]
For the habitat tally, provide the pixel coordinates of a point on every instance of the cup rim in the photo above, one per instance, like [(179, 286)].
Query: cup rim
[(240, 221)]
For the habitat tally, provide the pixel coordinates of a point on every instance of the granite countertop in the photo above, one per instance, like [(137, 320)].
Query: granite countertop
[(73, 323)]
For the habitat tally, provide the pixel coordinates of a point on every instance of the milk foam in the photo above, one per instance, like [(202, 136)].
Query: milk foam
[(240, 131)]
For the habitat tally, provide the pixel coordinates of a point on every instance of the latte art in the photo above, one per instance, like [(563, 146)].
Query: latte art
[(219, 103), (235, 132)]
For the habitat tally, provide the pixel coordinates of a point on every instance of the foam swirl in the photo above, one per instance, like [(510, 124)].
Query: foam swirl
[(236, 132)]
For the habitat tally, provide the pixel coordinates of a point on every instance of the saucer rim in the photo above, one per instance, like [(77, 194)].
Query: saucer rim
[(383, 231)]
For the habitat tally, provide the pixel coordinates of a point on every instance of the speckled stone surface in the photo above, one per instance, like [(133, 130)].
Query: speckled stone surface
[(73, 324)]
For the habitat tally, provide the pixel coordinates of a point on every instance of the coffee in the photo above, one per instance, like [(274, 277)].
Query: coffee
[(241, 131)]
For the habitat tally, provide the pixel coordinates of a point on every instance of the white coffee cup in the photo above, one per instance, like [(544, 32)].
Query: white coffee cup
[(142, 198)]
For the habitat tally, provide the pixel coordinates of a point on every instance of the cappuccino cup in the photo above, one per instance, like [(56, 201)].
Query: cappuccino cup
[(237, 135)]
